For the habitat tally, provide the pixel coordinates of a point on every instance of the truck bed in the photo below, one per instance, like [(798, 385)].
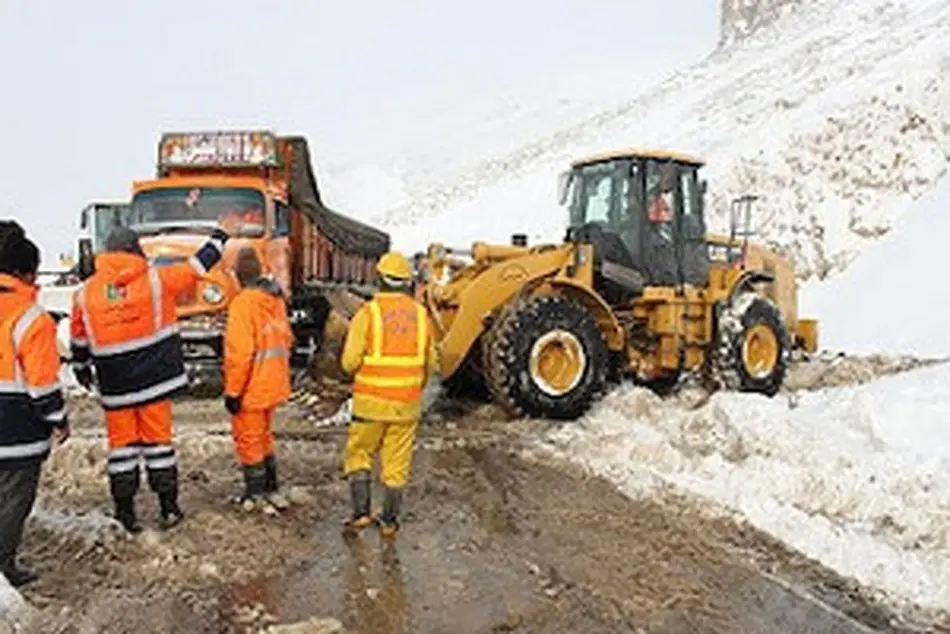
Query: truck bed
[(347, 234)]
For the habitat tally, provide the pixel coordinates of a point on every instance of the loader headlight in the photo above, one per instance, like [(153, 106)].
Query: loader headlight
[(212, 294)]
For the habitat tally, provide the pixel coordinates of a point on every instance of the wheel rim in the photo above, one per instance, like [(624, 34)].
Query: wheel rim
[(557, 362), (760, 351)]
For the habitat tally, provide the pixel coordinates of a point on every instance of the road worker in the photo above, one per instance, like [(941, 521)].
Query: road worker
[(390, 353), (124, 327), (258, 344), (32, 407)]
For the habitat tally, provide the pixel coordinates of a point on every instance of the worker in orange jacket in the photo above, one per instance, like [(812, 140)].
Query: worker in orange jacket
[(32, 407), (124, 326), (258, 344), (391, 354)]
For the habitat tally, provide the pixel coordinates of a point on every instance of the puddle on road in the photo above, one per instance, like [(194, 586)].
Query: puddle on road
[(498, 544)]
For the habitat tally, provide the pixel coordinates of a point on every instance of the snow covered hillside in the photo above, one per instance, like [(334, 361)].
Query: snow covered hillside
[(837, 114), (894, 298)]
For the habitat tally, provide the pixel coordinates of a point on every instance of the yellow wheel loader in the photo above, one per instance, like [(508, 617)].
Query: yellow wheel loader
[(638, 289)]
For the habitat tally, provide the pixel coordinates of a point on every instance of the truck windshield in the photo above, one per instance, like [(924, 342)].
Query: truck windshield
[(236, 210)]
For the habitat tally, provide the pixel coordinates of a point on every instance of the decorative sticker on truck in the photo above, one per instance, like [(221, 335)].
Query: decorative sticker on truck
[(225, 149)]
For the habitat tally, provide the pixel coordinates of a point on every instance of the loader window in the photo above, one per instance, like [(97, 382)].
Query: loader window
[(236, 210), (597, 194)]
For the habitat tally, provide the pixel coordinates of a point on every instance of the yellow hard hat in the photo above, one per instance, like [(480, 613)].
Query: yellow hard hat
[(394, 265)]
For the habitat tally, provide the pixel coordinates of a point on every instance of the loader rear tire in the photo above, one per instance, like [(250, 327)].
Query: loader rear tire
[(545, 357), (753, 345)]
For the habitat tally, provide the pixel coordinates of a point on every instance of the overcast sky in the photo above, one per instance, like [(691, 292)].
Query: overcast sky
[(89, 86)]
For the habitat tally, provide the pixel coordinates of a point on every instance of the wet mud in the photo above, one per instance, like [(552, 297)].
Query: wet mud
[(492, 541)]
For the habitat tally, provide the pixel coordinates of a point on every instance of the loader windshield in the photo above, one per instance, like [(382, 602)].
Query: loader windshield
[(236, 210)]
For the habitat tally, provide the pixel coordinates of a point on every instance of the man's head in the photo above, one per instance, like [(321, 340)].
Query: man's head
[(395, 272), (124, 240), (19, 256), (247, 266)]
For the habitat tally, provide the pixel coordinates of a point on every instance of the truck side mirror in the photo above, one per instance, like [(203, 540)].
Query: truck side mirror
[(703, 186), (86, 265)]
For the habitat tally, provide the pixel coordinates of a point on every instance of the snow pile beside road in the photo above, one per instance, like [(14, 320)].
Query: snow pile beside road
[(857, 478)]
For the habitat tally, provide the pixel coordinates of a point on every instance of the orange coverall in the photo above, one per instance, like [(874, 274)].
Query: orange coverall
[(258, 343), (124, 323)]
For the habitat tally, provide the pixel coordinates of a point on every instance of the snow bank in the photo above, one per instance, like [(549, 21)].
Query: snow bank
[(856, 478), (894, 297)]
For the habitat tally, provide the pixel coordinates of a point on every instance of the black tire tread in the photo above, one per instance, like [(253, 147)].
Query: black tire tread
[(504, 358)]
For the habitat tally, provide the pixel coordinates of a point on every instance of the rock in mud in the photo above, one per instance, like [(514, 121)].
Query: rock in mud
[(311, 626)]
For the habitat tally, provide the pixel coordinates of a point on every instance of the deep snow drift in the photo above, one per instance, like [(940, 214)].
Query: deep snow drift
[(834, 114)]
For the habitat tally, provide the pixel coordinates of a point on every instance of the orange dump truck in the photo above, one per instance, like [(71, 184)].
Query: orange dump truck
[(261, 189)]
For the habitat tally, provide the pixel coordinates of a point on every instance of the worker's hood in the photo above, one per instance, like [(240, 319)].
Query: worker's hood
[(13, 293), (119, 267), (266, 285)]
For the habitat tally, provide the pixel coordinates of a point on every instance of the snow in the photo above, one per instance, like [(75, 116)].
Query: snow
[(856, 478), (836, 115), (893, 298)]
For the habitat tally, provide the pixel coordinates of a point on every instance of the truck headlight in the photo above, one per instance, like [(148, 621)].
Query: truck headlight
[(212, 294)]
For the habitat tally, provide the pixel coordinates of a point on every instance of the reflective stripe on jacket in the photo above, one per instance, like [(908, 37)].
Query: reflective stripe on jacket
[(31, 396), (125, 322), (390, 350), (258, 343)]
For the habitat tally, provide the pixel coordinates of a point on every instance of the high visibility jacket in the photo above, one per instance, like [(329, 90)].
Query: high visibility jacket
[(391, 353), (124, 322), (258, 343), (31, 397)]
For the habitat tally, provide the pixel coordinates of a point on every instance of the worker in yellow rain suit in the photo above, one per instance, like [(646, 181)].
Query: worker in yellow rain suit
[(390, 353), (258, 344)]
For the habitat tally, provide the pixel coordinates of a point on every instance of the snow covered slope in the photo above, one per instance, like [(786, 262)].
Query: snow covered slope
[(835, 113), (895, 298)]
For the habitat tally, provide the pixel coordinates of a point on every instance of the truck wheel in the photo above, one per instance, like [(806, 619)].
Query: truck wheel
[(753, 345), (546, 358)]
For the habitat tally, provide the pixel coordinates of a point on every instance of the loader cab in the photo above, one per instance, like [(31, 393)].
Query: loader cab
[(642, 210)]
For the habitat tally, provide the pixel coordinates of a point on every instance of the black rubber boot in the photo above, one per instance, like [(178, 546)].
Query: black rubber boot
[(389, 518), (123, 487), (125, 513), (272, 484), (255, 486), (360, 497), (270, 470), (18, 577), (164, 482)]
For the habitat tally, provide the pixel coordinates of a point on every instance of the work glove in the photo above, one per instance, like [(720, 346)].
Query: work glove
[(84, 376), (232, 404)]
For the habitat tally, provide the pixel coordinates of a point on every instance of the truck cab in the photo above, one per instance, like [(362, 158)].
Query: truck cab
[(96, 221), (260, 189)]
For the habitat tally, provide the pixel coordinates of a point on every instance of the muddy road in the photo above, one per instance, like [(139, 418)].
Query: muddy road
[(494, 540)]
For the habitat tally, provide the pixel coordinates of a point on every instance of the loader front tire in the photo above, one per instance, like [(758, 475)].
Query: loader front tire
[(545, 358), (753, 345)]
